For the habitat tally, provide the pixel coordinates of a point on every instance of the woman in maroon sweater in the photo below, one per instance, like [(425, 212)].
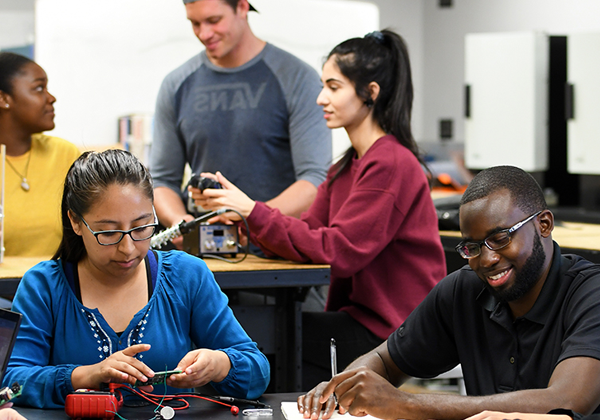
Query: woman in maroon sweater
[(373, 219)]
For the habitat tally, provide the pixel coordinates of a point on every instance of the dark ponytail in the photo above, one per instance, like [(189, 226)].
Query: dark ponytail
[(380, 57)]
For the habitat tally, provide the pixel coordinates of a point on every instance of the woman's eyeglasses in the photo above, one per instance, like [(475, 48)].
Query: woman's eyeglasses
[(113, 237)]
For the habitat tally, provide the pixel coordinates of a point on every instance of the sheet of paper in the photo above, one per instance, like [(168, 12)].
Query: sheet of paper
[(290, 412)]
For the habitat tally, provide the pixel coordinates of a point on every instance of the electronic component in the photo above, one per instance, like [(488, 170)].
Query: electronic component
[(89, 403), (181, 403), (215, 239), (234, 400), (160, 239), (167, 412), (8, 393), (9, 326), (202, 183), (158, 378)]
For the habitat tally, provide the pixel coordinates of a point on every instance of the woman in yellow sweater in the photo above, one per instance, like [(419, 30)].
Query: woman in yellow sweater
[(36, 164)]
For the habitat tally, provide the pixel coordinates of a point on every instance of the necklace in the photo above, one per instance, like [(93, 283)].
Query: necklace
[(24, 183)]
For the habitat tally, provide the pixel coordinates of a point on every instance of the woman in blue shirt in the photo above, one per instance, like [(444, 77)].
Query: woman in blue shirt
[(108, 309)]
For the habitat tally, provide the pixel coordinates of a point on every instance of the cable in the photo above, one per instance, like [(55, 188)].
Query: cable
[(161, 238), (157, 400), (161, 400), (234, 400)]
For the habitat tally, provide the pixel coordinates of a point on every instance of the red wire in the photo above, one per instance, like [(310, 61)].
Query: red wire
[(179, 397), (153, 400), (188, 396), (205, 398)]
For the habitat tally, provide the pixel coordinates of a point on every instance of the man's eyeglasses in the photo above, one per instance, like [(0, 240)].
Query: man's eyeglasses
[(113, 237), (494, 242)]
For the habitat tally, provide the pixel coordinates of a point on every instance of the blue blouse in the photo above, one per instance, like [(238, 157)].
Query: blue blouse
[(187, 310)]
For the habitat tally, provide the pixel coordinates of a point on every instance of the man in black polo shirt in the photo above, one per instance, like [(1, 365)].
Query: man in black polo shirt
[(522, 320)]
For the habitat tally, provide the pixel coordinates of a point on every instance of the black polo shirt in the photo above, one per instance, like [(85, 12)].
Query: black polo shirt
[(461, 322)]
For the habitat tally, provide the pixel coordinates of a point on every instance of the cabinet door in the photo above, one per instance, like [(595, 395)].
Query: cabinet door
[(583, 128), (506, 77)]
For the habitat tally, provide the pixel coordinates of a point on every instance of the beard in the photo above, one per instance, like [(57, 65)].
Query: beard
[(525, 278)]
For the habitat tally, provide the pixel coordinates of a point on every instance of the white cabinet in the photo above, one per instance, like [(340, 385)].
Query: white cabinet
[(583, 128), (506, 78)]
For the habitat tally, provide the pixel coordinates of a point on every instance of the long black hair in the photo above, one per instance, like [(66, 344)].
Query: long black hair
[(380, 57), (87, 180), (11, 65)]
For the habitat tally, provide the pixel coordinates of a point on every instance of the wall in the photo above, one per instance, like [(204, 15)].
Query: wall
[(112, 62), (404, 16), (435, 38), (16, 23), (407, 18), (443, 44)]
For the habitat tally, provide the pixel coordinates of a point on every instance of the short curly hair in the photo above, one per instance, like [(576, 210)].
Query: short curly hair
[(523, 188)]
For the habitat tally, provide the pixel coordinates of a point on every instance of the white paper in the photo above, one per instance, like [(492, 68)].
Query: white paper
[(290, 412)]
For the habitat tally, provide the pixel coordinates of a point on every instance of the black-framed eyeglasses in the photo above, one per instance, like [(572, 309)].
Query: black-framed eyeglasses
[(494, 242), (113, 237)]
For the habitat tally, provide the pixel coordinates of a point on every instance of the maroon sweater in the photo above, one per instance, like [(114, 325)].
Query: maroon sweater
[(376, 226)]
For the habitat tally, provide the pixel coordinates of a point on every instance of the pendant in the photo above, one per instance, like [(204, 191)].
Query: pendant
[(25, 185)]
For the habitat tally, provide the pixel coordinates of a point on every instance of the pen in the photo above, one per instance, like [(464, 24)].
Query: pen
[(258, 412), (333, 356)]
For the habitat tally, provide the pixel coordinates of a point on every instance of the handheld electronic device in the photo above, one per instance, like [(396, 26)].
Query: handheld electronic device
[(9, 392), (158, 378), (9, 327), (214, 239), (160, 239), (90, 403), (202, 183)]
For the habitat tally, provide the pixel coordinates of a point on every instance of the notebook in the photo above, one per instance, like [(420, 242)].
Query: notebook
[(9, 326)]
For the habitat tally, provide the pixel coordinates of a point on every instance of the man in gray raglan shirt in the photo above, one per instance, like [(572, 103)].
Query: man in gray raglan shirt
[(243, 107)]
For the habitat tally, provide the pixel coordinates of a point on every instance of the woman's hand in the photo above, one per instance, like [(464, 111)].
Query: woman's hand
[(229, 197), (119, 367), (200, 367), (7, 413)]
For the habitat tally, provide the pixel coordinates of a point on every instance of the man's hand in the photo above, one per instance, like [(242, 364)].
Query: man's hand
[(170, 210), (359, 392), (311, 406)]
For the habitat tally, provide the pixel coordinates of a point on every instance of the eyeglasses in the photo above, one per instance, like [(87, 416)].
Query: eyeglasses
[(494, 242), (113, 237)]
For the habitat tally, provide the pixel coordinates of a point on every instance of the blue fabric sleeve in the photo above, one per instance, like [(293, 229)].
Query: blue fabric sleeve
[(43, 386), (187, 306), (215, 327)]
